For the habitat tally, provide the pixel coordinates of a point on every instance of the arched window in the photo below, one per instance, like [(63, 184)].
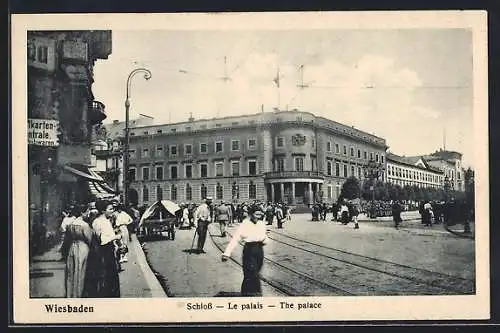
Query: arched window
[(159, 193), (189, 192), (219, 191), (173, 192), (203, 191), (252, 190), (145, 194)]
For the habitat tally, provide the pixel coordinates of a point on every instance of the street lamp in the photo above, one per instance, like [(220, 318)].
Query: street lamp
[(372, 172), (147, 76)]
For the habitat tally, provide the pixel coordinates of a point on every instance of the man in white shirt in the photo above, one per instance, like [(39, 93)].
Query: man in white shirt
[(202, 217), (252, 233)]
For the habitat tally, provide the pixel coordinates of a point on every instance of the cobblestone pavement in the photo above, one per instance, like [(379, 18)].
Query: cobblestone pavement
[(185, 274), (418, 260)]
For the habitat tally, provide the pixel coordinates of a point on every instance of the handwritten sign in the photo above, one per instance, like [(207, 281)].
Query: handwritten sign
[(43, 132)]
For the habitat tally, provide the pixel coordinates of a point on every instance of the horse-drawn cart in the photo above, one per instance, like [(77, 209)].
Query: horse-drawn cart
[(158, 219)]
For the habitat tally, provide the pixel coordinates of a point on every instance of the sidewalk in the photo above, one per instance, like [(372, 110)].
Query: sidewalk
[(136, 280)]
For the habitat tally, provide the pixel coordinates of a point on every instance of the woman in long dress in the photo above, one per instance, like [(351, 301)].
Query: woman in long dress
[(77, 240), (108, 281), (252, 232)]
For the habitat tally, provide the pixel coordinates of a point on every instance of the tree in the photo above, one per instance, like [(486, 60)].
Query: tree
[(351, 189), (381, 191)]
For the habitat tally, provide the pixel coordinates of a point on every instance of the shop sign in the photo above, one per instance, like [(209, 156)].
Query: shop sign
[(43, 132), (42, 53), (75, 50)]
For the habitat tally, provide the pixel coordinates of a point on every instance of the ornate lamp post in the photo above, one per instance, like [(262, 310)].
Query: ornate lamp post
[(373, 171), (126, 181), (447, 186)]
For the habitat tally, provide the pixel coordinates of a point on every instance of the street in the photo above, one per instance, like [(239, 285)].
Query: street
[(325, 258)]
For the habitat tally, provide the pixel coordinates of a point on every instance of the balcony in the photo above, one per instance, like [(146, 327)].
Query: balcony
[(97, 113), (293, 174)]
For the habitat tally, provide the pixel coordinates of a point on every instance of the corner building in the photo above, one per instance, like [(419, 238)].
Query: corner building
[(290, 156)]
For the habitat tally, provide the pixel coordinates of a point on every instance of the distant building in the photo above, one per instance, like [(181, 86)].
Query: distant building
[(289, 156), (413, 171), (451, 164), (431, 170), (108, 150)]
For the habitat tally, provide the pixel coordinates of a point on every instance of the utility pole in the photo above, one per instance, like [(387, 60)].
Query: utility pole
[(276, 81), (301, 85)]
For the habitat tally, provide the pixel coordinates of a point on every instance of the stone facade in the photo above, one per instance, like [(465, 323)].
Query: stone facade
[(60, 77), (289, 156)]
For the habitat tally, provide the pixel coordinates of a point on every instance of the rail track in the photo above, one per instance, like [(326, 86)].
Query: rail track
[(280, 279), (447, 283)]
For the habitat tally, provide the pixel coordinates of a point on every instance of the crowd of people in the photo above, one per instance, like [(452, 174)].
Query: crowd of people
[(95, 235), (95, 239)]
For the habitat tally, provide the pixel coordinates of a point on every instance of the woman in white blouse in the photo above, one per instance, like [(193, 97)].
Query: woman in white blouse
[(252, 233)]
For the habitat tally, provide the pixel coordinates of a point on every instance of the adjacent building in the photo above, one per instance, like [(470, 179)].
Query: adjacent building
[(62, 116), (108, 150), (290, 156), (413, 171), (451, 164)]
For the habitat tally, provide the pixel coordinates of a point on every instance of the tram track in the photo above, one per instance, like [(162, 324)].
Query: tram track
[(307, 282), (445, 282)]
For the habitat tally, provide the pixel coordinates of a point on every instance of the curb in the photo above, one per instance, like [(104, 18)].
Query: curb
[(153, 283)]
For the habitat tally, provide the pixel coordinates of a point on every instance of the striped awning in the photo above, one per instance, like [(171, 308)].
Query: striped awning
[(97, 185), (98, 190)]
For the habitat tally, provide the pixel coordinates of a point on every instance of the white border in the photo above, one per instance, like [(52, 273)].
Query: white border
[(334, 308)]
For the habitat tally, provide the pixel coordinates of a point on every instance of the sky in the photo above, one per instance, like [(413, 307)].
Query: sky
[(412, 87)]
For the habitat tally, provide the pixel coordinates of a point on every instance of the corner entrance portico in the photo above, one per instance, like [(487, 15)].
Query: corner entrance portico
[(293, 187)]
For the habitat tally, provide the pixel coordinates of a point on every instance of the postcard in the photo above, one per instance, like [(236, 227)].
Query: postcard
[(250, 167)]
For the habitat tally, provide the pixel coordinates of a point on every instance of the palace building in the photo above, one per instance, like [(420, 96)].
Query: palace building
[(290, 156)]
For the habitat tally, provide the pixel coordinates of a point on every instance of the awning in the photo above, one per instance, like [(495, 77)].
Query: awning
[(82, 170), (97, 185), (98, 191)]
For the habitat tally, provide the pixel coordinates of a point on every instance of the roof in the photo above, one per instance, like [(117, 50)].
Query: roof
[(274, 117), (412, 161)]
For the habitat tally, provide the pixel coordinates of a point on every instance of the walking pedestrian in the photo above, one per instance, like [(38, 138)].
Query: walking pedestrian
[(222, 217), (75, 249), (252, 232), (269, 213), (107, 267), (202, 218), (122, 222), (355, 208), (279, 216), (396, 214)]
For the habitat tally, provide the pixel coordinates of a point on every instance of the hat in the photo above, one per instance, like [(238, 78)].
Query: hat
[(208, 198)]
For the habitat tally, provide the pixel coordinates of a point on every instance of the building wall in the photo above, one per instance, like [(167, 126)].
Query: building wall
[(404, 174), (60, 76), (152, 147)]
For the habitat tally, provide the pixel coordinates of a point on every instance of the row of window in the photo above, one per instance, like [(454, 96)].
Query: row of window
[(412, 174), (411, 183), (188, 149), (188, 170), (354, 153), (188, 192)]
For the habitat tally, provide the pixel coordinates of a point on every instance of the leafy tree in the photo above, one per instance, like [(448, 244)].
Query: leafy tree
[(381, 191), (351, 188)]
